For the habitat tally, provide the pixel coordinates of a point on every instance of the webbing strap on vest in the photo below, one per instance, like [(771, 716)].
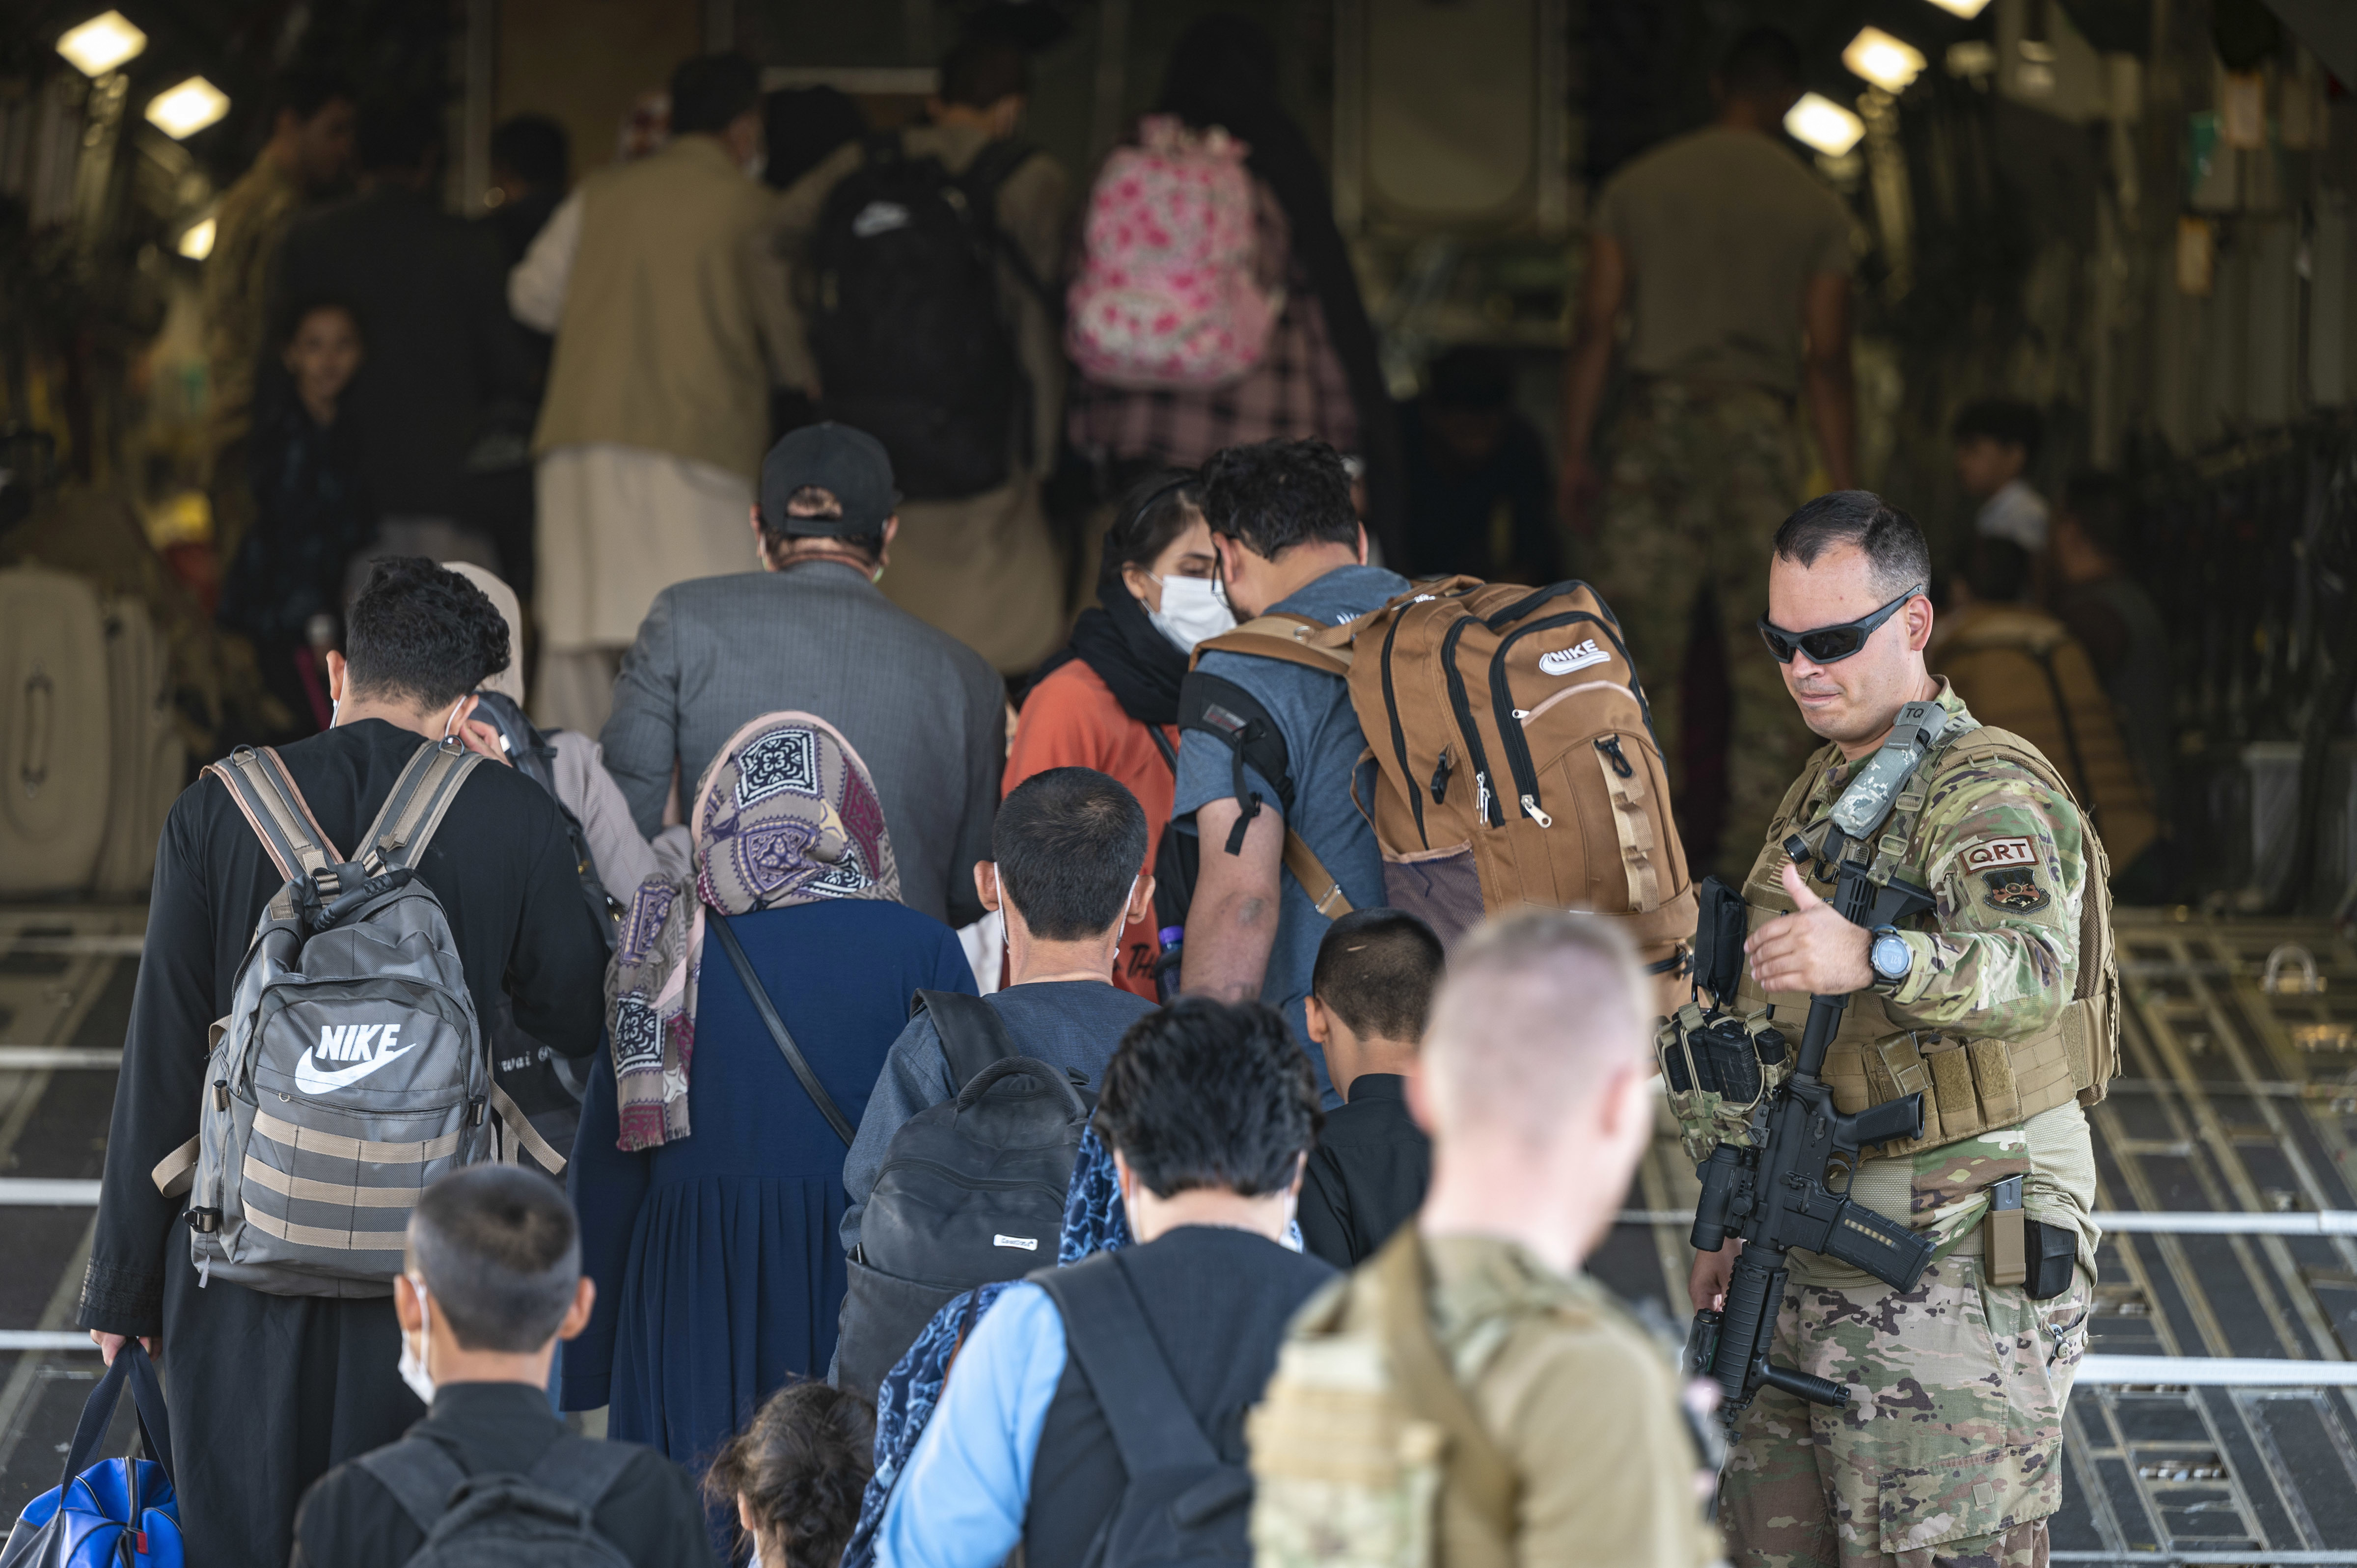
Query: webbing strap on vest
[(1477, 1471)]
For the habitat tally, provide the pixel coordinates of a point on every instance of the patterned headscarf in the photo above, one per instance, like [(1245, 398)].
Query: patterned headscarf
[(785, 814)]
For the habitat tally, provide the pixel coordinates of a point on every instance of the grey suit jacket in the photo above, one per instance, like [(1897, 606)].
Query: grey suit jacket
[(924, 711)]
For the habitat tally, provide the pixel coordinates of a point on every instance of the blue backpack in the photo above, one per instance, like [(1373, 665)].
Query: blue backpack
[(117, 1511)]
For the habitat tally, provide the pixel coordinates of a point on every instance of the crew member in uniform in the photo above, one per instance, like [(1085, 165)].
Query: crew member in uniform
[(2001, 1009)]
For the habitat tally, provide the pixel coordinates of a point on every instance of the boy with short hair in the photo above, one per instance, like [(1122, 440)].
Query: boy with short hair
[(1376, 972), (1997, 443), (491, 1280)]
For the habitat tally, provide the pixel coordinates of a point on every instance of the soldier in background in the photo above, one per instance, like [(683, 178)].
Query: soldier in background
[(1733, 262), (1950, 1449), (311, 144)]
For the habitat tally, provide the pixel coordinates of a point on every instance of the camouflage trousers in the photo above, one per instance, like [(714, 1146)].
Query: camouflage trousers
[(1701, 477), (1949, 1451)]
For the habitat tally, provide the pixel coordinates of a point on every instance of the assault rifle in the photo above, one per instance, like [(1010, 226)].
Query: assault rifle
[(1774, 1196)]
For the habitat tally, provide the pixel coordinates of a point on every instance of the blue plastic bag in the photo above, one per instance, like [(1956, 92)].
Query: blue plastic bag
[(117, 1513)]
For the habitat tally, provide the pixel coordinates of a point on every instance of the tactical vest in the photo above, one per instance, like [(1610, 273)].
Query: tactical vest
[(1970, 1085)]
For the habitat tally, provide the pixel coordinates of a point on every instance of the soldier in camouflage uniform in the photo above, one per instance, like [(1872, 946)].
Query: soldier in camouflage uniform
[(1950, 1449)]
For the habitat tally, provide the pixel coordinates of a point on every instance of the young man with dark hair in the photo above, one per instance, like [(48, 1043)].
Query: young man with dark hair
[(1209, 1110), (492, 1281), (809, 630), (309, 147), (1376, 972), (1063, 873), (662, 285), (972, 434), (443, 351), (1731, 259), (1997, 440), (270, 1391), (1287, 544), (2116, 621)]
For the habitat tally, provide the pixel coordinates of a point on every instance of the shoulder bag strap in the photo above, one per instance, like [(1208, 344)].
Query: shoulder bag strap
[(583, 1470), (1431, 1390), (768, 1011), (420, 1474), (973, 1034), (1105, 1332), (264, 792), (421, 798), (1284, 636)]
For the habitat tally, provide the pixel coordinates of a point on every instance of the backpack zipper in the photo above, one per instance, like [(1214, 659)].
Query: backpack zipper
[(970, 1184), (1518, 743), (1461, 706), (1399, 738)]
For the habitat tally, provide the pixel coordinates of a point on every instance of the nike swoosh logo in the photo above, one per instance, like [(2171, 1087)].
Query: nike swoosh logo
[(311, 1081)]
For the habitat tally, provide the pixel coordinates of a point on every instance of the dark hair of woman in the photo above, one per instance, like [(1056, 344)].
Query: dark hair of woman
[(1115, 637)]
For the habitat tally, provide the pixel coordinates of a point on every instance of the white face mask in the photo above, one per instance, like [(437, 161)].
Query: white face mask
[(1193, 608), (413, 1356)]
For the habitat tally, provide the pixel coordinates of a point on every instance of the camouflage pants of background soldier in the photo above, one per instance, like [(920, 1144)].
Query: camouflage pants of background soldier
[(1950, 1450), (1701, 477)]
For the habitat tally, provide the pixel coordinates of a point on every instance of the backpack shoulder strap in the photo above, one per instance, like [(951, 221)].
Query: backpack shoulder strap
[(1231, 715), (1286, 637), (265, 793), (420, 1474), (1431, 1390), (973, 1034), (1106, 1332), (420, 798), (583, 1470)]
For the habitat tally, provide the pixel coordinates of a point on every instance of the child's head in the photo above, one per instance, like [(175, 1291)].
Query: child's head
[(1375, 978), (794, 1475), (1067, 856), (1997, 441), (322, 354)]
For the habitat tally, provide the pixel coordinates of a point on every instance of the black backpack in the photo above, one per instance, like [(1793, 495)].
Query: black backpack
[(902, 294), (543, 1519), (972, 1191), (544, 1088), (1184, 1505)]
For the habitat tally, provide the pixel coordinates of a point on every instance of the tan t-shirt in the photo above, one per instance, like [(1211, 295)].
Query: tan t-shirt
[(1723, 229)]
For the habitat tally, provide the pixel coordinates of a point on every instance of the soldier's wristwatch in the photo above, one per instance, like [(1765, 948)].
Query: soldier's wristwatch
[(1887, 954)]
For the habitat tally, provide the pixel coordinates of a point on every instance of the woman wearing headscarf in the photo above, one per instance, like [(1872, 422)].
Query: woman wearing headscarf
[(1320, 375), (709, 1180), (1109, 698)]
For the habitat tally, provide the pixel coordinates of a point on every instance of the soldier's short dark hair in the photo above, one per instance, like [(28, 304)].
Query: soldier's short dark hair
[(421, 634), (1274, 495), (1211, 1095), (1763, 63), (2008, 422), (500, 1254), (1068, 843), (709, 91), (2098, 503), (1376, 971), (1893, 545)]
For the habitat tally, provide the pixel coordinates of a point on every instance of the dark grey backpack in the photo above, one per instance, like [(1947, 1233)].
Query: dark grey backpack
[(542, 1519), (972, 1191)]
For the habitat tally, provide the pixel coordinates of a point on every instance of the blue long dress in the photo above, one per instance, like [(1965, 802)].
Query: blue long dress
[(717, 1267)]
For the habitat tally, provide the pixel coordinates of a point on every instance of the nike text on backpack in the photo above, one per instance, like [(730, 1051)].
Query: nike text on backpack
[(118, 1510), (1165, 296), (901, 293), (1516, 761), (504, 1521), (1183, 1503), (972, 1189), (349, 1073)]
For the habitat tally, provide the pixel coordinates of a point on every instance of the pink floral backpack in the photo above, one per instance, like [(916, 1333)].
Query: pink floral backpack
[(1165, 296)]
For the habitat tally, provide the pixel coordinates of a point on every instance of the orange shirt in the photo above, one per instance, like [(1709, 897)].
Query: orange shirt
[(1071, 720)]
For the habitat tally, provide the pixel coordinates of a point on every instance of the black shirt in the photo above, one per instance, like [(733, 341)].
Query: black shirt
[(503, 868), (1366, 1175), (349, 1520)]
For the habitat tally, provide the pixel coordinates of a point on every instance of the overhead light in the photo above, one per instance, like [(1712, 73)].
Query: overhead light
[(1890, 63), (1967, 9), (198, 243), (181, 111), (1818, 121), (100, 44)]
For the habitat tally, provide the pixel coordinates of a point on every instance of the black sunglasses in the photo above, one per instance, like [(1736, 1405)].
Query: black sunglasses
[(1829, 644)]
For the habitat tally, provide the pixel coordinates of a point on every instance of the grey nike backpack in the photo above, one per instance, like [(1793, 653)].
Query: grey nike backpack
[(349, 1073)]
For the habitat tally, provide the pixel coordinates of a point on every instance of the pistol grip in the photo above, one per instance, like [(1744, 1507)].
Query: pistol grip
[(1900, 1118)]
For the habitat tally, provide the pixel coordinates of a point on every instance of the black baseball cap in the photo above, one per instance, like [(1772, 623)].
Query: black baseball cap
[(850, 465)]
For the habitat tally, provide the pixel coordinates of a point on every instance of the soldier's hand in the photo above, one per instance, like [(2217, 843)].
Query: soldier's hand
[(1707, 1286), (1811, 950)]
